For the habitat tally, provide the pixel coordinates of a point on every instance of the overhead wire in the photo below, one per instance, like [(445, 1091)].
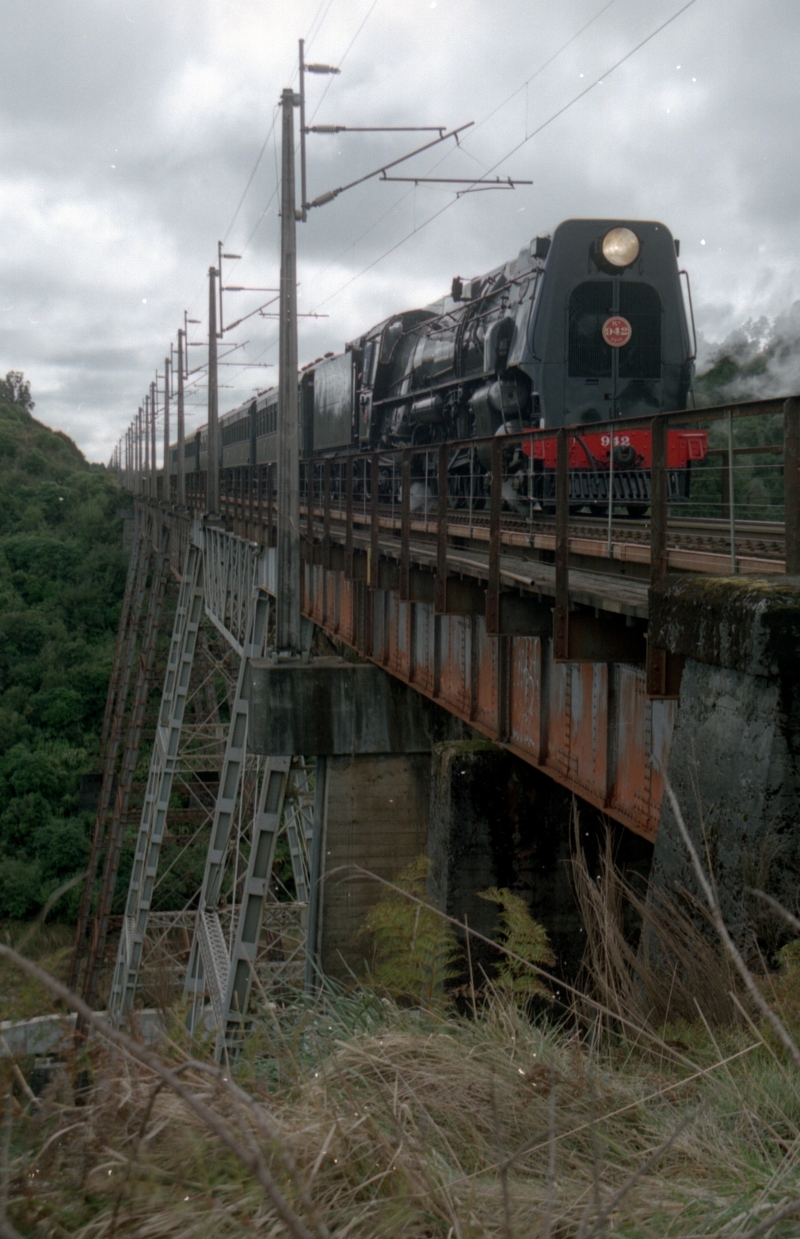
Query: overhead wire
[(597, 82), (250, 179), (312, 33), (273, 195), (528, 137), (463, 146), (600, 79), (545, 65), (344, 56)]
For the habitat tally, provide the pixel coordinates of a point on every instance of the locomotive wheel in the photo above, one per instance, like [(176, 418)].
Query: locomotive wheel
[(636, 510)]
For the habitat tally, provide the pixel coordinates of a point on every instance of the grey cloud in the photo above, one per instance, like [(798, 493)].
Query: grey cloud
[(180, 97)]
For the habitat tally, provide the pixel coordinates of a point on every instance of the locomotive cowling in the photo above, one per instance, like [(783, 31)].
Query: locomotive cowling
[(609, 341)]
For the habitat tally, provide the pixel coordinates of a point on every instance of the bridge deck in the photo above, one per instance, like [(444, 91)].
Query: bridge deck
[(527, 622), (613, 577), (518, 570)]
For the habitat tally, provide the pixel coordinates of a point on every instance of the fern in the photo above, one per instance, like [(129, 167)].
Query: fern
[(520, 935), (415, 951)]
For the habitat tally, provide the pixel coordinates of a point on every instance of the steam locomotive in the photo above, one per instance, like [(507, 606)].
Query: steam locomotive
[(586, 325)]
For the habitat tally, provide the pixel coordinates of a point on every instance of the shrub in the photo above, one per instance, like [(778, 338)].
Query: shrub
[(59, 709), (20, 887), (19, 821), (62, 847), (28, 771)]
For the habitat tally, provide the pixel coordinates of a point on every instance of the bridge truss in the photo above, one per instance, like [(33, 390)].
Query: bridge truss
[(218, 890)]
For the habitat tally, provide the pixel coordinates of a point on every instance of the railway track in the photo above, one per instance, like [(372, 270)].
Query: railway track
[(693, 544), (759, 540)]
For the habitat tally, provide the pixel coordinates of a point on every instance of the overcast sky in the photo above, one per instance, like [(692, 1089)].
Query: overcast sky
[(131, 129)]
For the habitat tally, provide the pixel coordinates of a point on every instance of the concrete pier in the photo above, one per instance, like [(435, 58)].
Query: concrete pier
[(376, 818), (734, 763), (377, 735), (496, 821)]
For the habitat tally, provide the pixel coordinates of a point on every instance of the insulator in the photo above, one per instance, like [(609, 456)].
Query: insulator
[(323, 198), (321, 69), (326, 129)]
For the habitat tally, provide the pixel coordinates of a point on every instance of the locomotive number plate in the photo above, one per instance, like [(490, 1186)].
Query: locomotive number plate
[(617, 331)]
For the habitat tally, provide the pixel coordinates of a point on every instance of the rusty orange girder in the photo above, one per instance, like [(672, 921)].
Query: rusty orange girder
[(589, 726)]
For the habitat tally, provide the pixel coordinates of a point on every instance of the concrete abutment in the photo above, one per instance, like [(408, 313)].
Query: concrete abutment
[(735, 757)]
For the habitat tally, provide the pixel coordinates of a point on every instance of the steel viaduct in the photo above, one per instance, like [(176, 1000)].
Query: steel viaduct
[(464, 665)]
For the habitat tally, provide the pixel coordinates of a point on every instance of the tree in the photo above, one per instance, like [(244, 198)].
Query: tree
[(15, 389)]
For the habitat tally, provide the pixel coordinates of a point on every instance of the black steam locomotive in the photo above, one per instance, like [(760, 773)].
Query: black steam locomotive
[(585, 326)]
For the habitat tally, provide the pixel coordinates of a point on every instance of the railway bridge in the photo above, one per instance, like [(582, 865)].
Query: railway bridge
[(471, 660)]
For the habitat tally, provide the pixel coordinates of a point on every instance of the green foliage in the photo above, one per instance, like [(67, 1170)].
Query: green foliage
[(62, 576), (20, 886), (415, 949), (521, 936), (758, 478), (15, 389)]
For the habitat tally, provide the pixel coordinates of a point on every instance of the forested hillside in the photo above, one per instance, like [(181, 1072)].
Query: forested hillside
[(757, 362), (61, 581)]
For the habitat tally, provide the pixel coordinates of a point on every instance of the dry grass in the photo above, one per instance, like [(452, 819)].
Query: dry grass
[(393, 1122), (673, 970), (356, 1119)]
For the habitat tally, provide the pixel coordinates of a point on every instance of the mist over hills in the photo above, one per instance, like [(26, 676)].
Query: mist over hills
[(758, 361)]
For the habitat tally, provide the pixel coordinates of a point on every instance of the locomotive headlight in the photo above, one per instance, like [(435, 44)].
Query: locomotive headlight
[(620, 247)]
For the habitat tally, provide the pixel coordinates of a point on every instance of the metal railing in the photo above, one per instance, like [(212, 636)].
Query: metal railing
[(720, 488)]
